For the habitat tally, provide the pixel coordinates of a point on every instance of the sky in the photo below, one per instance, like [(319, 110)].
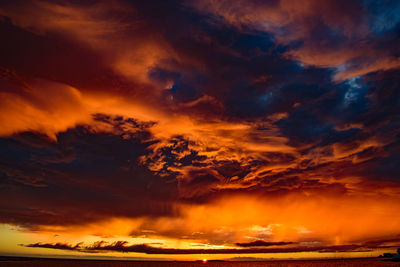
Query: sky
[(199, 128)]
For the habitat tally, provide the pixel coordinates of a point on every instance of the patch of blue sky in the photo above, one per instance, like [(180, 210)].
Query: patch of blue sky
[(386, 15), (355, 89)]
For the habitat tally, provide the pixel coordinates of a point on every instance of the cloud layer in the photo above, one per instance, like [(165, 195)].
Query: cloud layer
[(283, 117), (122, 246)]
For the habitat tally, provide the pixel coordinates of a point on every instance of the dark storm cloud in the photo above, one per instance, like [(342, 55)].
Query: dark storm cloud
[(329, 33), (317, 107), (244, 71), (57, 183), (170, 155)]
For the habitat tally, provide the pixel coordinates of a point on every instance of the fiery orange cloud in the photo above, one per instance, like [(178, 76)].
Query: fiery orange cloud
[(25, 106)]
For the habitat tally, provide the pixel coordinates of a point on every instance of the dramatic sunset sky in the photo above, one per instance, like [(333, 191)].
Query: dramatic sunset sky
[(174, 129)]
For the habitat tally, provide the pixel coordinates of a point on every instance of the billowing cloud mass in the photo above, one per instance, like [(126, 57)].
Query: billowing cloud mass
[(192, 127)]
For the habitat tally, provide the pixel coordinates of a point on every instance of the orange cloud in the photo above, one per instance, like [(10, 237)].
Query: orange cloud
[(39, 105)]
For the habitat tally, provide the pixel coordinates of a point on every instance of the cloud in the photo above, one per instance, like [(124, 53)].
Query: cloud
[(56, 246), (25, 105), (122, 246), (82, 171), (330, 34), (262, 243)]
